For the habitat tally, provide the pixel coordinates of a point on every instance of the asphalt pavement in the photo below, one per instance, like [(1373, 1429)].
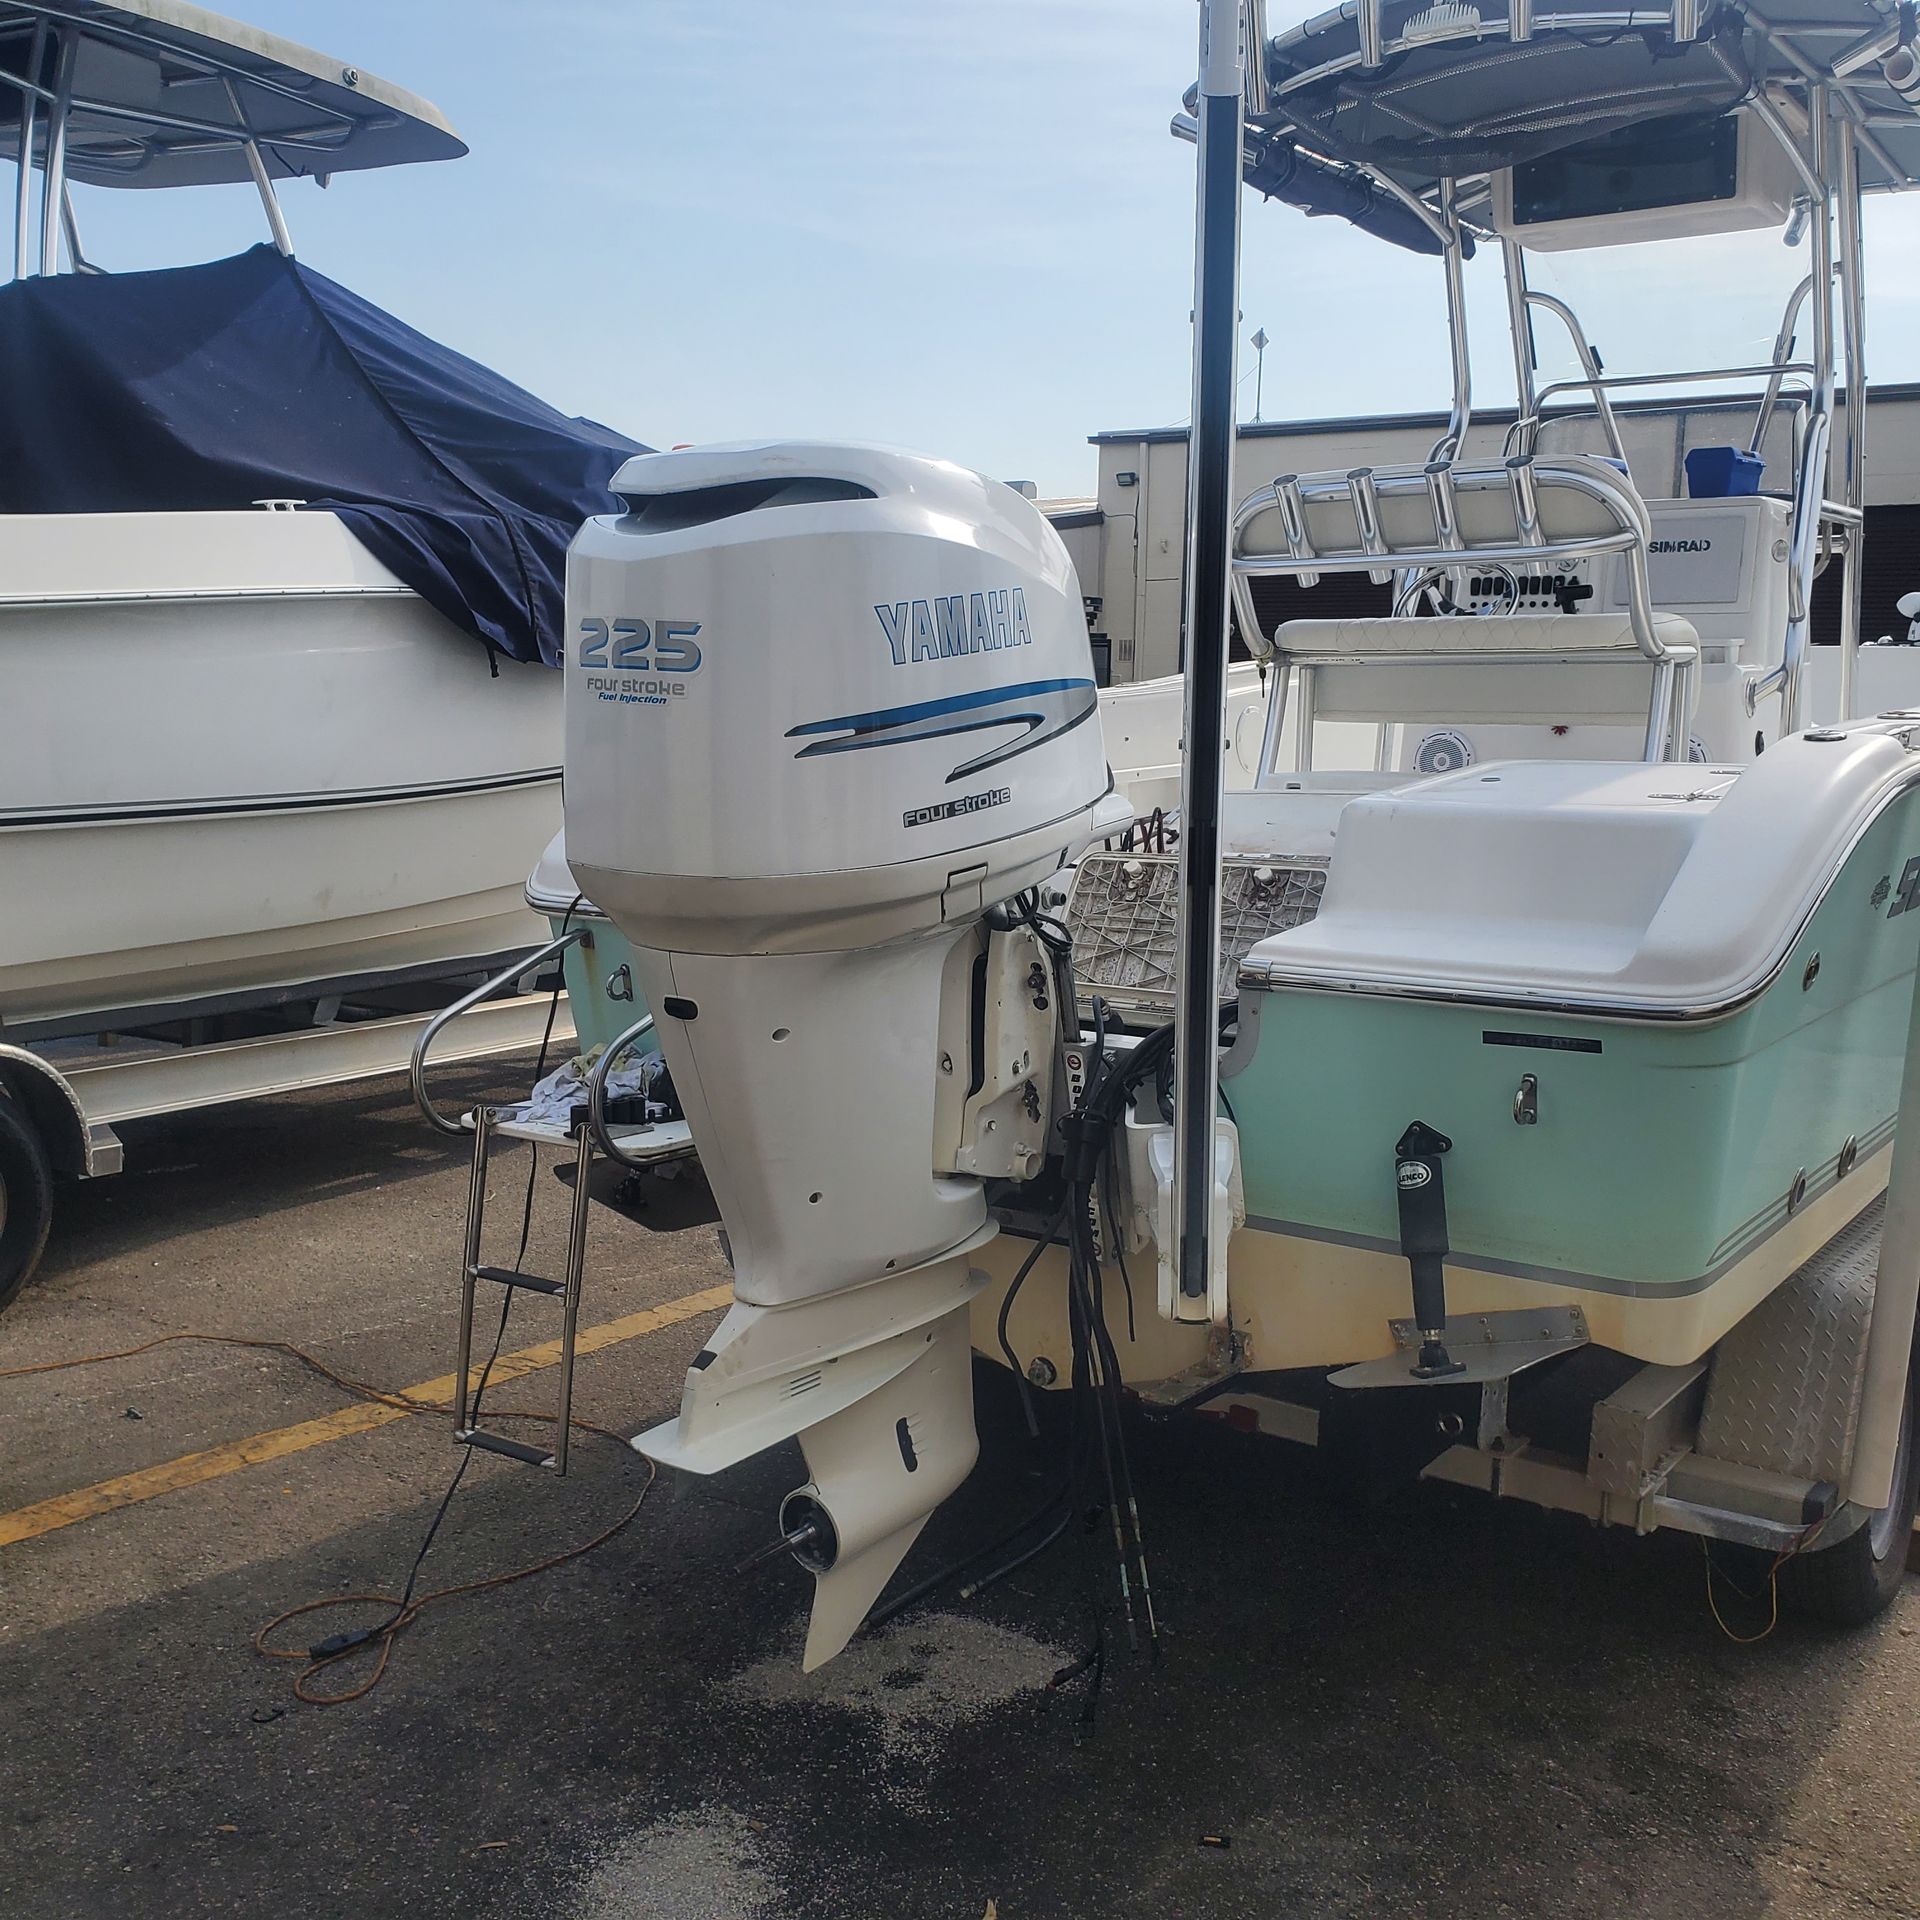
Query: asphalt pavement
[(1432, 1705)]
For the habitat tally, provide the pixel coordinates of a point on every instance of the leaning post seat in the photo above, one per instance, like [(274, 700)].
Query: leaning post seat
[(1428, 530)]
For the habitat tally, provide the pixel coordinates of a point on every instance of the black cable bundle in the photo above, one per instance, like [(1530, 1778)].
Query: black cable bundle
[(1098, 1473)]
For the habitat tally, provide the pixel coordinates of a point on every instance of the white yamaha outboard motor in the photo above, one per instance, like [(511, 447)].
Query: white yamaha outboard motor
[(826, 706)]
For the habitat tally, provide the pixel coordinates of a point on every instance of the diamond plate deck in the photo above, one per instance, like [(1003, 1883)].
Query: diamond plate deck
[(1783, 1393), (1124, 908)]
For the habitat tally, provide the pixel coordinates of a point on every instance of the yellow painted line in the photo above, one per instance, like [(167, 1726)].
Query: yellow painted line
[(192, 1469)]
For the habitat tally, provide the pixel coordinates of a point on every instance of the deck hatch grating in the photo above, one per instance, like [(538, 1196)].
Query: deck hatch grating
[(1124, 909)]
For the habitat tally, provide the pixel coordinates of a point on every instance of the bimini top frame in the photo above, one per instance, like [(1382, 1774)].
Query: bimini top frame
[(157, 93), (1413, 93), (1397, 116)]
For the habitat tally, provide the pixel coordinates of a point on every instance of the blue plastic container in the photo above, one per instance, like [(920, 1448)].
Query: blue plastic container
[(1720, 473)]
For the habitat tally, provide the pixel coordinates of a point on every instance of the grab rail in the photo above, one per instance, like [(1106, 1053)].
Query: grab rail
[(1525, 433), (1693, 376), (1363, 488), (1442, 485), (597, 1090), (417, 1066), (1782, 346)]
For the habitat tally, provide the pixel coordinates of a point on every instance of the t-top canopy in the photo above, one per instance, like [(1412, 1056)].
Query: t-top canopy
[(1456, 88), (163, 94)]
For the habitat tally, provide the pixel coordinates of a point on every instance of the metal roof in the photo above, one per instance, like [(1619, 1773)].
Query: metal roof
[(1079, 510), (165, 94)]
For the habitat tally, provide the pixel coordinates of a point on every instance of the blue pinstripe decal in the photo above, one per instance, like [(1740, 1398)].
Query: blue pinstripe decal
[(1044, 708)]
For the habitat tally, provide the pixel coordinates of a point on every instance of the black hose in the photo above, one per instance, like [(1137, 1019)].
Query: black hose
[(1006, 1308), (1060, 1497), (974, 1588)]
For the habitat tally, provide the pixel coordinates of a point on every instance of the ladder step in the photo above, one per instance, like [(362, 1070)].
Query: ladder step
[(507, 1277), (512, 1449)]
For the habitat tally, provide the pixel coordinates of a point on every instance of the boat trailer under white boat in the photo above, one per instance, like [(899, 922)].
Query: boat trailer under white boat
[(1539, 1102)]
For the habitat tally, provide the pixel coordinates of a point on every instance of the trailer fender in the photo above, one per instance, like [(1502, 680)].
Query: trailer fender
[(53, 1108)]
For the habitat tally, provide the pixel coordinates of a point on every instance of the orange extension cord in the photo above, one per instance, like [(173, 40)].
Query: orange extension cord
[(1779, 1560), (383, 1636)]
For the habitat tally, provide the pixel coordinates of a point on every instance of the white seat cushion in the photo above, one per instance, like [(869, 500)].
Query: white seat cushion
[(1591, 689)]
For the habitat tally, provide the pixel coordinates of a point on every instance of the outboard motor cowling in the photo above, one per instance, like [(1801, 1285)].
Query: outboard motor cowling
[(825, 706)]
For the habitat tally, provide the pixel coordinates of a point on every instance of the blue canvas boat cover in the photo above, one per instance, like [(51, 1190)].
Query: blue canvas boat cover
[(256, 378)]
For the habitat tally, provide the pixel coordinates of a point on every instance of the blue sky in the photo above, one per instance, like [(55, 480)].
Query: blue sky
[(958, 225)]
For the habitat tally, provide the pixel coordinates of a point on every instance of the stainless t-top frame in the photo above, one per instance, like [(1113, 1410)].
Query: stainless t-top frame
[(144, 93), (1830, 114), (1852, 80)]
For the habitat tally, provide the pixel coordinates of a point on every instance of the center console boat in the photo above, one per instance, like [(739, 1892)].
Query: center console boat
[(1530, 1089)]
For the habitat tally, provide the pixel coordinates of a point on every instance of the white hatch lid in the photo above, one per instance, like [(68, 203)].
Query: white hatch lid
[(1661, 890)]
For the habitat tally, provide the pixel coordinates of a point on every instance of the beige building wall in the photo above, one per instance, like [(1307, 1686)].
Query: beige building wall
[(1134, 558), (1083, 534)]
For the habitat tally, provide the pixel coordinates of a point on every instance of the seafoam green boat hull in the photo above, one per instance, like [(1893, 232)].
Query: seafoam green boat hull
[(1664, 1150), (596, 984)]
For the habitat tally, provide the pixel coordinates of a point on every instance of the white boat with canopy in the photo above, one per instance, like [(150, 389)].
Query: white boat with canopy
[(280, 585), (246, 748)]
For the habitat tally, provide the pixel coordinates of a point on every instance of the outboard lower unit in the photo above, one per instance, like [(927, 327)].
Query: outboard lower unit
[(826, 706)]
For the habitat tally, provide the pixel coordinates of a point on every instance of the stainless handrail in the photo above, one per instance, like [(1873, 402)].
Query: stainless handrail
[(1675, 665), (1254, 80), (1453, 443), (1596, 19), (53, 161), (94, 27), (417, 1065), (1393, 482), (597, 1089), (1810, 488), (23, 183), (1594, 379), (1439, 228), (1689, 378), (213, 136), (1372, 35), (1782, 346), (1853, 327)]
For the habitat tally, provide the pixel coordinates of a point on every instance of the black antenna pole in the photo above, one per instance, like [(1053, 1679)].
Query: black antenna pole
[(1210, 450)]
